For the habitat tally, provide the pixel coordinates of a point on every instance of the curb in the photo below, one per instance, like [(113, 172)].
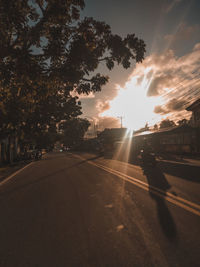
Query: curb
[(6, 178)]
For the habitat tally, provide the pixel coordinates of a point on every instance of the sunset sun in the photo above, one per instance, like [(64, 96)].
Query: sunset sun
[(133, 104)]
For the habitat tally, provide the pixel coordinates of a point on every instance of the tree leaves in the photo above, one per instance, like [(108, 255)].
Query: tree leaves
[(73, 131), (46, 52)]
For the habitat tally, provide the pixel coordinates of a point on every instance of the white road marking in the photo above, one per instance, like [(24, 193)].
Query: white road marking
[(15, 173)]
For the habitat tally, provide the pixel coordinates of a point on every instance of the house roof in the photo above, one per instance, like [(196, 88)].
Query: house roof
[(164, 130), (194, 105), (113, 132)]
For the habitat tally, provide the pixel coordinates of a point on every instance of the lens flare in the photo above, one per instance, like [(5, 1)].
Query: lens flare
[(133, 104)]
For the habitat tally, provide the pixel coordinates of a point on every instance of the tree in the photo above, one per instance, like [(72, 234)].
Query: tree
[(167, 123), (47, 52), (155, 127), (73, 131), (183, 122)]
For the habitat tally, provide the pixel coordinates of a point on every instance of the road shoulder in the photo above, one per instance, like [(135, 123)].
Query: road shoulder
[(11, 169)]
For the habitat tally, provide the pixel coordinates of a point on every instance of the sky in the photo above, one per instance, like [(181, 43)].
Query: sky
[(168, 79)]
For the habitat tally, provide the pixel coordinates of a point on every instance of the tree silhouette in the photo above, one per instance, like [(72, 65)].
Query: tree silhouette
[(183, 122), (47, 52), (167, 123), (73, 131)]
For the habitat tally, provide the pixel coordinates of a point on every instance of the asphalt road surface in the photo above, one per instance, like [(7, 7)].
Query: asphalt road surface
[(83, 210)]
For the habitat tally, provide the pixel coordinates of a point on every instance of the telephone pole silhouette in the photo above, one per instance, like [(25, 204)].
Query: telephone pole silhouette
[(121, 118)]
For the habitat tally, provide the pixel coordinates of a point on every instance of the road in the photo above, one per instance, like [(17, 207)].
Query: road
[(83, 210)]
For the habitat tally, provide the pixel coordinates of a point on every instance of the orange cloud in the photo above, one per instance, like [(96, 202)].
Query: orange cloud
[(171, 106), (102, 106), (172, 76), (162, 85), (83, 96), (108, 122), (160, 110)]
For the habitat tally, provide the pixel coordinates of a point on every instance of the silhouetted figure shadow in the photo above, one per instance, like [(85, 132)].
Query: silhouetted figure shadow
[(157, 180)]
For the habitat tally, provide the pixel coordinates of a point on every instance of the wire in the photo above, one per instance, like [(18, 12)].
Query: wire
[(176, 88)]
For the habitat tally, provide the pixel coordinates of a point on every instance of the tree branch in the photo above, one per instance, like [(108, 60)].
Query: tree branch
[(105, 58), (86, 80), (42, 9)]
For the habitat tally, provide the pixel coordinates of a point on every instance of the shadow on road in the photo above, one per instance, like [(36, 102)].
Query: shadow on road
[(156, 179), (184, 171), (30, 183), (41, 178), (89, 159), (175, 158)]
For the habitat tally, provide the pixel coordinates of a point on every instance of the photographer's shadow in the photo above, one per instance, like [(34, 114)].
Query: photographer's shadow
[(158, 186)]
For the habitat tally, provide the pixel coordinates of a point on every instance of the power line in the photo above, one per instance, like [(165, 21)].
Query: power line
[(174, 86), (171, 91)]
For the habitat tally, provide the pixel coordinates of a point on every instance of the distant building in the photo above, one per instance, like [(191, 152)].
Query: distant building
[(108, 137), (195, 108), (177, 139)]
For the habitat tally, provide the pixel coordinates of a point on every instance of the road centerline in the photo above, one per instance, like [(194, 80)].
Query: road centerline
[(178, 201)]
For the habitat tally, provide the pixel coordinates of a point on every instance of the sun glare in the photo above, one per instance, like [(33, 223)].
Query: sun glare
[(133, 104)]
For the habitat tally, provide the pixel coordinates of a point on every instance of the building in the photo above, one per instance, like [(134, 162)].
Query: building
[(195, 108), (109, 136), (178, 140)]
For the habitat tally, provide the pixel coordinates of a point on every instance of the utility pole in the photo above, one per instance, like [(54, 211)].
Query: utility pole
[(121, 118)]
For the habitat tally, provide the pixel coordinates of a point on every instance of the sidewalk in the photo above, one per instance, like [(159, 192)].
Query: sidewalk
[(179, 159)]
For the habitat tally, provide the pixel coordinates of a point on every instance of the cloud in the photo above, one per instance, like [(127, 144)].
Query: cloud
[(158, 84), (160, 110), (196, 47), (83, 96), (176, 105), (102, 106), (160, 87), (172, 5), (108, 122), (183, 34), (140, 79), (177, 75), (171, 106), (176, 80)]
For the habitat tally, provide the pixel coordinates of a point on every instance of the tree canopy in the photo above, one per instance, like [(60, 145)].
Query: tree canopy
[(167, 123), (46, 53), (73, 131)]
